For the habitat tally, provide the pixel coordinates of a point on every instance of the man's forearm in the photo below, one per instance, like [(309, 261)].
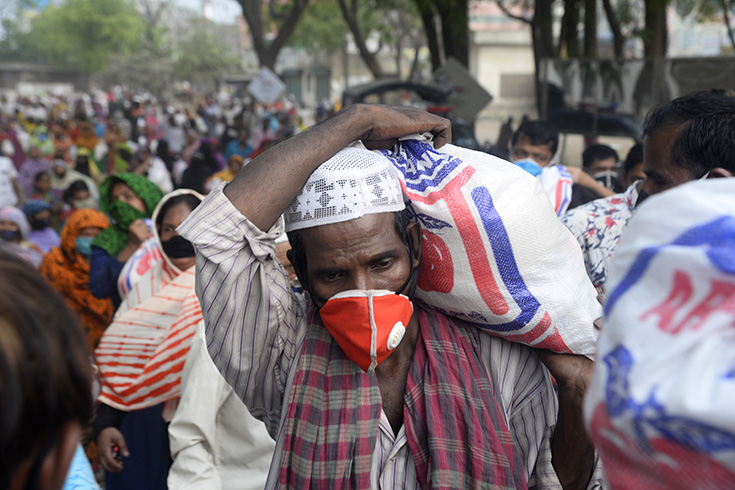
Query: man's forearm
[(263, 189), (572, 453)]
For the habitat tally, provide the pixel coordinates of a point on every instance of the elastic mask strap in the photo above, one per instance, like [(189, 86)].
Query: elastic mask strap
[(413, 277)]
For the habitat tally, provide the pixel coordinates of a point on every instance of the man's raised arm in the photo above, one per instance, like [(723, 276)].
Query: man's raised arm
[(265, 187)]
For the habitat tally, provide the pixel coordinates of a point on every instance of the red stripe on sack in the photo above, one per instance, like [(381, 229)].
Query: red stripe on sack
[(534, 333), (468, 231)]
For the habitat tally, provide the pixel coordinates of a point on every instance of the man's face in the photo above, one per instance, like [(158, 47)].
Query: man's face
[(661, 173), (604, 165), (365, 253), (34, 152), (523, 149)]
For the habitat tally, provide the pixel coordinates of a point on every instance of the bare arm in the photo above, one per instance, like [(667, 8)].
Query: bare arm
[(573, 455), (581, 177), (264, 188)]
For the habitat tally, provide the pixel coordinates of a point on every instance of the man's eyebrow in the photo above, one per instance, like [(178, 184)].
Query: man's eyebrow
[(321, 271)]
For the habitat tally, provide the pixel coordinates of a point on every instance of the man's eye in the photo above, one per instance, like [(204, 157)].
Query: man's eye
[(383, 264), (331, 276)]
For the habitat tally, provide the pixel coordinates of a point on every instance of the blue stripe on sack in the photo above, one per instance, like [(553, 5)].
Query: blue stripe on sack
[(719, 234), (425, 176), (506, 262)]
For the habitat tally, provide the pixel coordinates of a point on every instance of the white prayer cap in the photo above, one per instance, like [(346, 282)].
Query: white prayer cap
[(351, 184)]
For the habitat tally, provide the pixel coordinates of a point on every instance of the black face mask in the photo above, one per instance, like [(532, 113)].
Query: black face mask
[(10, 236), (39, 224), (178, 247), (642, 196)]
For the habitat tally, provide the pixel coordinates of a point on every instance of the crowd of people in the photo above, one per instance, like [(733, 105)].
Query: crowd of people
[(143, 251)]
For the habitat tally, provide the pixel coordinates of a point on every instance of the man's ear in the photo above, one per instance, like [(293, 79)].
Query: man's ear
[(414, 231), (719, 172)]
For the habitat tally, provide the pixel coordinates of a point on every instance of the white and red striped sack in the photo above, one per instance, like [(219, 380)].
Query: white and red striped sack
[(661, 403), (493, 251)]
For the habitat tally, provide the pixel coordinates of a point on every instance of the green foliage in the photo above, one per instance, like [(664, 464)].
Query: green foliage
[(320, 27), (84, 33)]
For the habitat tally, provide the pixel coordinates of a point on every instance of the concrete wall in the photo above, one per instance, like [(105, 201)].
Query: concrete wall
[(25, 77), (502, 62)]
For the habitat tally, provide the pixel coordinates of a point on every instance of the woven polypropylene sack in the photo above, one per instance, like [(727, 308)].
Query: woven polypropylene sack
[(493, 251), (661, 402)]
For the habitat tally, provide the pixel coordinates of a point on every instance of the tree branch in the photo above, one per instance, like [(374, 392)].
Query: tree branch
[(511, 15), (730, 34)]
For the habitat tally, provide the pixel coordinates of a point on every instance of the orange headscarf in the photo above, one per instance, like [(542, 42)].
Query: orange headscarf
[(68, 272)]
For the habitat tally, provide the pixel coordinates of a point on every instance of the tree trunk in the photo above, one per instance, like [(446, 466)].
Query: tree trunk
[(455, 29), (268, 53), (590, 29), (349, 13), (655, 35), (726, 19), (569, 35), (428, 20), (614, 22), (542, 38)]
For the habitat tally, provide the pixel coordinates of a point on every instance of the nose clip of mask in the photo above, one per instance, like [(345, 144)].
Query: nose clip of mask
[(396, 335)]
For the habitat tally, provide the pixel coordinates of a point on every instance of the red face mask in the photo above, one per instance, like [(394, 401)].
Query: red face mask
[(367, 324)]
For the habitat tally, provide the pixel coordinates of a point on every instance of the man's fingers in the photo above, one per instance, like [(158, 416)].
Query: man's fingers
[(442, 136), (123, 447), (109, 463)]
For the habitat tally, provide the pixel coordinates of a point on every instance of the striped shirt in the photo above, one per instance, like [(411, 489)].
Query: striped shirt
[(255, 327)]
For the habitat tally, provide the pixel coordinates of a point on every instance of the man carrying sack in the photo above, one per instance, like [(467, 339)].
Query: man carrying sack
[(360, 386)]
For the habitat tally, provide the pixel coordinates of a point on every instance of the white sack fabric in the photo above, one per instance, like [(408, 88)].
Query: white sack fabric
[(493, 251), (661, 404), (557, 182)]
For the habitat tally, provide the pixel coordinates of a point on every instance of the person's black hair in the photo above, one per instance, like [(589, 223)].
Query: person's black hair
[(401, 220), (597, 152), (582, 195), (77, 185), (45, 367), (39, 175), (682, 109), (704, 143), (189, 199), (634, 157), (537, 133)]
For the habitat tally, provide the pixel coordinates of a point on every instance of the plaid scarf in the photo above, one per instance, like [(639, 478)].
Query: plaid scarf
[(458, 437)]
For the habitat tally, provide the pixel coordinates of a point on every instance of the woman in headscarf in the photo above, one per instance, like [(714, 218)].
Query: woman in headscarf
[(62, 177), (14, 231), (214, 438), (67, 269), (128, 199), (40, 215), (161, 312)]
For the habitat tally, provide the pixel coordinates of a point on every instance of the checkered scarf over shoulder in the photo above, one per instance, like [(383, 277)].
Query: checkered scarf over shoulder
[(459, 438)]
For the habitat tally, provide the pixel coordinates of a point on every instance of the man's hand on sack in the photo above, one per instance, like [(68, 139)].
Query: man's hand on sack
[(388, 123)]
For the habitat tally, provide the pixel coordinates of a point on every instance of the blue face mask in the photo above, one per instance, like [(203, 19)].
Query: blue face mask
[(529, 166), (84, 245)]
